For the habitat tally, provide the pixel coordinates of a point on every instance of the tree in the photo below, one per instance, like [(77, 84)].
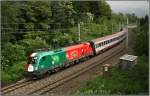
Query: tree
[(100, 9), (142, 37), (35, 14), (62, 14), (9, 13)]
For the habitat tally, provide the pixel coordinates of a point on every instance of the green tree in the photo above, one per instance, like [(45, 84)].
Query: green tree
[(9, 13), (141, 46), (35, 14), (62, 14), (100, 9), (12, 54)]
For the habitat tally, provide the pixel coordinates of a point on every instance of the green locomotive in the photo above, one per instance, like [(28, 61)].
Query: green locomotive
[(43, 61)]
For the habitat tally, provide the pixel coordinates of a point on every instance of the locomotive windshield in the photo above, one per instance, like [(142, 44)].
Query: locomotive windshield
[(32, 60)]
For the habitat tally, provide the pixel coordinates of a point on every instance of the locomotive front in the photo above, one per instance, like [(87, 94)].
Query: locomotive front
[(31, 66)]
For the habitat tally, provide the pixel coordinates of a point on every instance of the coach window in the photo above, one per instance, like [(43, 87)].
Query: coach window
[(101, 43), (97, 46)]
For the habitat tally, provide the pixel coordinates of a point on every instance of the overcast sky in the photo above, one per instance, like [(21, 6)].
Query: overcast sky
[(140, 8)]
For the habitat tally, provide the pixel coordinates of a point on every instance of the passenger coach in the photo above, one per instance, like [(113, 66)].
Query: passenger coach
[(101, 44)]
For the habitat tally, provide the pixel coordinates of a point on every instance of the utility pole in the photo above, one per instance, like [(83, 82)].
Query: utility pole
[(79, 38), (112, 28), (127, 35), (119, 26)]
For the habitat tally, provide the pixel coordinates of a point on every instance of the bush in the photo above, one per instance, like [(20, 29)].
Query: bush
[(6, 78), (14, 73), (11, 54)]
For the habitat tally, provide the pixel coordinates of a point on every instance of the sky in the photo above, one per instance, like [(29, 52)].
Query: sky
[(140, 8)]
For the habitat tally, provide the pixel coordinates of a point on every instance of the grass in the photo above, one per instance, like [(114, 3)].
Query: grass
[(122, 82)]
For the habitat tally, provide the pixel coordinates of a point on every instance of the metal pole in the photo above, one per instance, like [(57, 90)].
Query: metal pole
[(119, 27), (112, 28), (127, 35), (79, 38)]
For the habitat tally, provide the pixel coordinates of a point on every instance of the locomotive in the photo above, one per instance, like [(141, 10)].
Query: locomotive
[(45, 60)]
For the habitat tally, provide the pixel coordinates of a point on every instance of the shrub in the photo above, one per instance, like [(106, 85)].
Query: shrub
[(13, 74), (11, 54), (6, 78)]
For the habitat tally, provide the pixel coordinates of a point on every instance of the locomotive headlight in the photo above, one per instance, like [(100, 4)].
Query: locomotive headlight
[(30, 68)]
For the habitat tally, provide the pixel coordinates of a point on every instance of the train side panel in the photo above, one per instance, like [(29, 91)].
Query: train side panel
[(78, 51)]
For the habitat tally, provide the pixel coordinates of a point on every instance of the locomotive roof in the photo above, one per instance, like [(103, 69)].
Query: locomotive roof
[(76, 46), (108, 36), (44, 53)]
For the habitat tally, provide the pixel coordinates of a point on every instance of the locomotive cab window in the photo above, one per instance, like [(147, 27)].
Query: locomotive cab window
[(32, 60), (43, 58)]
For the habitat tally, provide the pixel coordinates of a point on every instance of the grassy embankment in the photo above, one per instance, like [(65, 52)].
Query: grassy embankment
[(133, 81)]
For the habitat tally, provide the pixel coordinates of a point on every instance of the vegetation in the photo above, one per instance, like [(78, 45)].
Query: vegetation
[(30, 25), (141, 46), (122, 82)]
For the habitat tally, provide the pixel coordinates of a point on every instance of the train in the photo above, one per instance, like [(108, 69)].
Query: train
[(46, 61)]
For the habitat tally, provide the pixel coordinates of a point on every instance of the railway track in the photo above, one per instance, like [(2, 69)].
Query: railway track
[(18, 85), (71, 76), (45, 85)]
